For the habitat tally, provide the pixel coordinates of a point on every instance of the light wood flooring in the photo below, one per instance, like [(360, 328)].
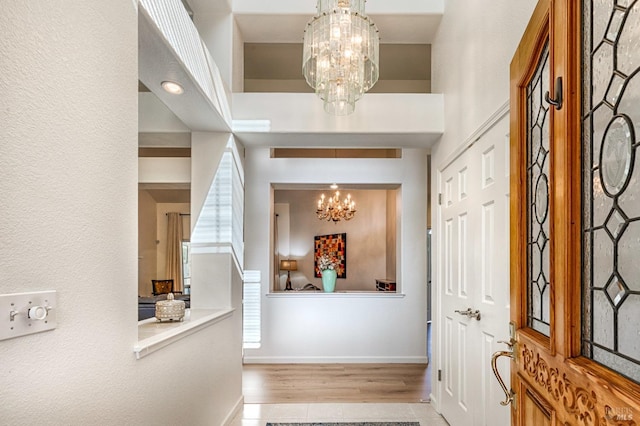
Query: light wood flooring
[(308, 383)]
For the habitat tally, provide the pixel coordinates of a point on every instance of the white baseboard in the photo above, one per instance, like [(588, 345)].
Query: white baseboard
[(335, 360), (234, 412), (434, 402)]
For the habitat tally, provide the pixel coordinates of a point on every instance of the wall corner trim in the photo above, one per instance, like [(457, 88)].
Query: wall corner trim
[(476, 135), (418, 359), (199, 319), (237, 408)]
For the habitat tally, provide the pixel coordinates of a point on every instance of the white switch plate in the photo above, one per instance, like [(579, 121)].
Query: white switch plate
[(19, 304)]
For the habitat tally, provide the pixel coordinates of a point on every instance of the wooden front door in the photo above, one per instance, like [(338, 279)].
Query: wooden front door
[(575, 215)]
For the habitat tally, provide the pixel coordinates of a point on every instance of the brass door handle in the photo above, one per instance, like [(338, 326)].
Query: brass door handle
[(509, 395)]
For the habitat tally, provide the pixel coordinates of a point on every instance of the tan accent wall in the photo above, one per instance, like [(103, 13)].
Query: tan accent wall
[(336, 153), (367, 237), (392, 233), (161, 234), (429, 192), (276, 67), (147, 256), (152, 235)]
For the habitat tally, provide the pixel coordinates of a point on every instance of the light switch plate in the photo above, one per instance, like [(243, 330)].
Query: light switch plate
[(14, 313)]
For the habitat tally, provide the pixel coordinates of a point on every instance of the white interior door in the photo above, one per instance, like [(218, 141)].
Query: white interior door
[(473, 275)]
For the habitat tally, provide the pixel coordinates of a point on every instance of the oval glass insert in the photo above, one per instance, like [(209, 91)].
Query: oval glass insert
[(542, 198), (616, 155)]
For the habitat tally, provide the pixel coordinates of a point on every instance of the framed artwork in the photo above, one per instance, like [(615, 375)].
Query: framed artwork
[(334, 245)]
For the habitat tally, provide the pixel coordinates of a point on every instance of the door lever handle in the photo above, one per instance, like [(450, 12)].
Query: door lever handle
[(510, 343), (509, 394), (469, 313)]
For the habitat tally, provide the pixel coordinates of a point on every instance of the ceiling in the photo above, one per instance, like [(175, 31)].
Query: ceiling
[(283, 22), (326, 187), (170, 195), (167, 192), (405, 67)]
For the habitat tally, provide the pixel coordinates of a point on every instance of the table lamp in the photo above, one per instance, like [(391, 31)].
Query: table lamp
[(288, 265)]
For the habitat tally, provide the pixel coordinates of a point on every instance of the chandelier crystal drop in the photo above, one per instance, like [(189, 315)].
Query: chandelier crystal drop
[(340, 56), (332, 209)]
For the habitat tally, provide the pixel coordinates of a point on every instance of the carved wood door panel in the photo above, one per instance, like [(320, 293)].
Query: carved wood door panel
[(575, 215)]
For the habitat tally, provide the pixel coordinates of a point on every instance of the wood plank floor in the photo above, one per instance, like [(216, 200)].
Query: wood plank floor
[(308, 383)]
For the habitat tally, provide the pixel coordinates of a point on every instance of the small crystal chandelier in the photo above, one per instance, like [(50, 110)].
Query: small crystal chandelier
[(340, 56), (332, 209)]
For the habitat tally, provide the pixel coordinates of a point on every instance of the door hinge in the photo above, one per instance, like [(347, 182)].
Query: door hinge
[(439, 375), (440, 199)]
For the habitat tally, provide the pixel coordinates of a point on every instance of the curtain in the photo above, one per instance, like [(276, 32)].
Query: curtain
[(174, 250)]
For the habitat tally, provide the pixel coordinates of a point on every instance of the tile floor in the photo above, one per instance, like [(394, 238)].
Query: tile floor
[(260, 414)]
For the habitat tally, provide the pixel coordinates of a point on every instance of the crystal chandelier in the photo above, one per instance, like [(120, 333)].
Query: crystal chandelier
[(332, 209), (340, 57)]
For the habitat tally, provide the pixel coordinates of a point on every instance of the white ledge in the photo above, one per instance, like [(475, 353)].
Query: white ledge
[(338, 294), (409, 119), (154, 335)]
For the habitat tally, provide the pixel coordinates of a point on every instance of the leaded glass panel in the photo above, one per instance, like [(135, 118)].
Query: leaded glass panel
[(611, 185), (538, 250)]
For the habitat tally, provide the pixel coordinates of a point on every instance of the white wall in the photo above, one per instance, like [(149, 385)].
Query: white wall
[(375, 113), (238, 60), (474, 79), (475, 83), (206, 151), (335, 328), (154, 116), (68, 165), (164, 169), (217, 32)]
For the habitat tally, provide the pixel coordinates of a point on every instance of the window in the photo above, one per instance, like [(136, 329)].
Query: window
[(251, 335), (186, 266)]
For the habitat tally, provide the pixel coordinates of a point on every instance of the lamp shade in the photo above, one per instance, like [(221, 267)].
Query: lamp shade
[(288, 265)]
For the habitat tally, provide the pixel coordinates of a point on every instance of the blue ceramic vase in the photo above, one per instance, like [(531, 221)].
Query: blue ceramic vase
[(329, 280)]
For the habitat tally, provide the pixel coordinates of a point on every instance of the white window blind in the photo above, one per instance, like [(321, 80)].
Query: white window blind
[(251, 310), (221, 222)]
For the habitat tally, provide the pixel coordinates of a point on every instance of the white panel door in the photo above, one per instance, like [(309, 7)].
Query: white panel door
[(474, 271)]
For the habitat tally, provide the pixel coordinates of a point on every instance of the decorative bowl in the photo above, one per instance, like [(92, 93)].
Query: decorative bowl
[(170, 309)]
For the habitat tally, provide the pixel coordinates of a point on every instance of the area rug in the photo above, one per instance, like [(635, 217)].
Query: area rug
[(348, 424)]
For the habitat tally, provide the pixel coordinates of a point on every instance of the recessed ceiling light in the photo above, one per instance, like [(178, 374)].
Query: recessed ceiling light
[(172, 87), (334, 186)]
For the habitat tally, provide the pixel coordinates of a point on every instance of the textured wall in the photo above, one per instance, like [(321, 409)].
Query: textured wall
[(68, 179), (474, 80)]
